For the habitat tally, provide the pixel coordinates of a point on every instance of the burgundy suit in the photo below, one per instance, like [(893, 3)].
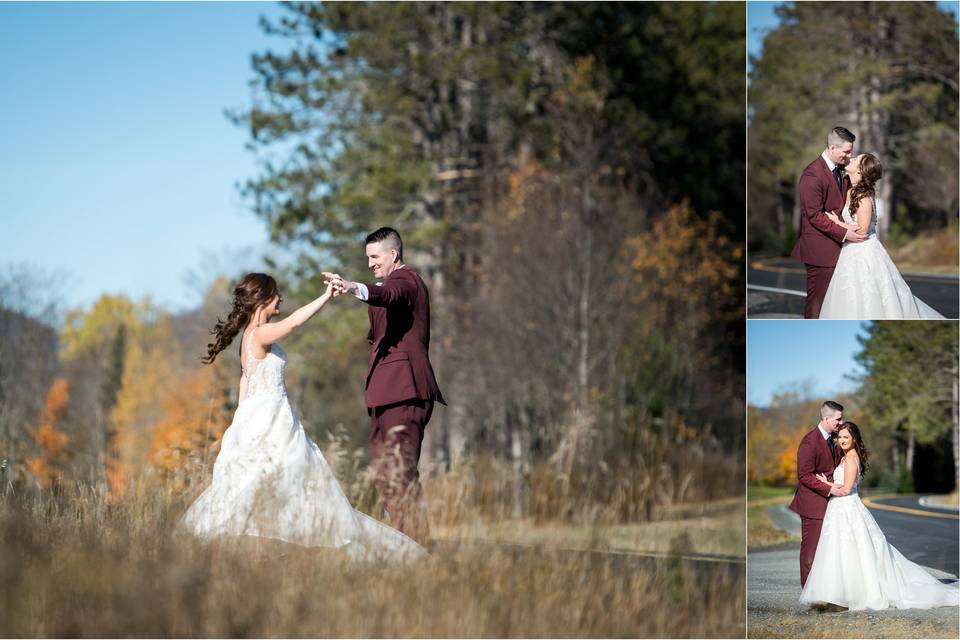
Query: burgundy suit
[(810, 500), (400, 392), (818, 245)]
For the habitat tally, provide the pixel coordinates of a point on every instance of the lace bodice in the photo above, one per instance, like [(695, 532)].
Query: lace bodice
[(265, 375), (852, 219), (838, 477)]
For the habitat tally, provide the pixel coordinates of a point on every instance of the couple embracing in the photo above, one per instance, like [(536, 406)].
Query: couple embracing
[(850, 276), (845, 560), (270, 479)]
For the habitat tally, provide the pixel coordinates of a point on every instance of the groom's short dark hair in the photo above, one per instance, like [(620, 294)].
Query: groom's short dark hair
[(389, 234), (840, 134), (834, 407)]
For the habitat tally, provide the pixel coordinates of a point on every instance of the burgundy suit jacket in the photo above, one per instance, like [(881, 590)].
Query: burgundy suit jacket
[(820, 238), (400, 369), (813, 457)]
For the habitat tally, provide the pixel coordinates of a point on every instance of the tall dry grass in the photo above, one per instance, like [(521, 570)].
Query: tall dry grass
[(935, 252), (75, 563)]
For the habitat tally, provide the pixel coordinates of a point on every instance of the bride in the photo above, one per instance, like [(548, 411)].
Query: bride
[(866, 283), (855, 566), (270, 479)]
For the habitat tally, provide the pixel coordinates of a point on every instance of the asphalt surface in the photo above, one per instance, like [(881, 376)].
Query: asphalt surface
[(773, 579), (932, 540), (776, 288)]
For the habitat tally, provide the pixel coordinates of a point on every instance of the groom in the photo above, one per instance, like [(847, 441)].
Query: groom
[(401, 387), (823, 187), (815, 456)]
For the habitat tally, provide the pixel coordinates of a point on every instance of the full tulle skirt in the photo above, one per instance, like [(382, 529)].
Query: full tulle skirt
[(866, 285), (855, 566), (270, 480)]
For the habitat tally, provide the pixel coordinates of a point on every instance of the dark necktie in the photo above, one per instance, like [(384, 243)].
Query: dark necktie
[(838, 176), (830, 443)]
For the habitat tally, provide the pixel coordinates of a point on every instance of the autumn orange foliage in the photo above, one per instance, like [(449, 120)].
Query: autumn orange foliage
[(194, 417), (692, 254), (46, 467)]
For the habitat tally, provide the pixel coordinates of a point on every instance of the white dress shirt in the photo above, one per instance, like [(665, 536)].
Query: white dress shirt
[(362, 293)]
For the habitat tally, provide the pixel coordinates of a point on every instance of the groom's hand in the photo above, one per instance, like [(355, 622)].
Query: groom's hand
[(838, 490), (339, 284), (854, 236)]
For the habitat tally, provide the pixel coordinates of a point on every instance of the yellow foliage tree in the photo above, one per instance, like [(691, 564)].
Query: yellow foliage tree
[(84, 330), (786, 469), (47, 466), (150, 371)]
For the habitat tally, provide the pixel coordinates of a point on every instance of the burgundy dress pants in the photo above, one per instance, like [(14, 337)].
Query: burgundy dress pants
[(818, 280), (809, 537), (396, 436)]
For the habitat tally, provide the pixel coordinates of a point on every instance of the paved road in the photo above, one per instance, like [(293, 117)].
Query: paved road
[(787, 275), (932, 540), (773, 580)]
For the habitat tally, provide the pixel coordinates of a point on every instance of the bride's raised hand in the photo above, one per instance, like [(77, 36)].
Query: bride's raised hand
[(331, 291)]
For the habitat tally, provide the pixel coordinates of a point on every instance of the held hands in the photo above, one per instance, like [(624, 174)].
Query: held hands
[(335, 282)]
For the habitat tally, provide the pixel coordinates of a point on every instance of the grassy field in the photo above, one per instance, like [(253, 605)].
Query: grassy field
[(714, 528), (79, 565), (761, 532), (930, 253)]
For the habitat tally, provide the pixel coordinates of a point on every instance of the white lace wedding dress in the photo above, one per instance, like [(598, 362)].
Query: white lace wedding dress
[(855, 566), (270, 480), (866, 284)]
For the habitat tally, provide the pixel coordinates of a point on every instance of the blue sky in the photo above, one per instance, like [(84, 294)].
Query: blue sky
[(761, 17), (783, 353), (117, 165)]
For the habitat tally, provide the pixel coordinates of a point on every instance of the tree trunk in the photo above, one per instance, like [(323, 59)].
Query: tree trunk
[(911, 449), (586, 262)]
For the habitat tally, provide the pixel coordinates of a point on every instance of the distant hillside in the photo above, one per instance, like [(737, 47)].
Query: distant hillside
[(28, 363)]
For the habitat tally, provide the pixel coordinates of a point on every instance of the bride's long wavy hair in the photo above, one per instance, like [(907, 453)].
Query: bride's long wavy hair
[(870, 172), (253, 290), (858, 445)]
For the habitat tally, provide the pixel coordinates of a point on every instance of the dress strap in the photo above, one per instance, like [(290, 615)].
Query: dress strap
[(245, 366)]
